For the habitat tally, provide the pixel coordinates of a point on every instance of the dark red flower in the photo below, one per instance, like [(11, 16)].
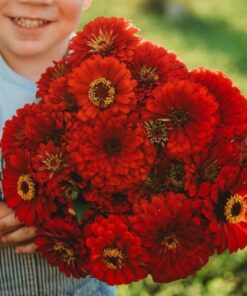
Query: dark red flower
[(57, 70), (61, 244), (112, 153), (58, 97), (186, 116), (225, 207), (101, 84), (23, 193), (116, 253), (152, 66), (202, 169), (14, 136), (175, 242), (45, 125), (107, 37), (232, 104), (50, 162)]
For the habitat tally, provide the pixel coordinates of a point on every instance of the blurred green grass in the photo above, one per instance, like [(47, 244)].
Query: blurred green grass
[(213, 35)]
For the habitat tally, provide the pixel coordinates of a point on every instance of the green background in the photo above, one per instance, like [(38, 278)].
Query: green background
[(212, 34)]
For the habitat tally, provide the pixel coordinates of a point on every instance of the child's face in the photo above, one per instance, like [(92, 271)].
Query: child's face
[(33, 27)]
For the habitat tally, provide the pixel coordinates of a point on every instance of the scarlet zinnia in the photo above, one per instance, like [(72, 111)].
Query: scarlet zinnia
[(58, 97), (57, 70), (176, 244), (61, 244), (232, 104), (106, 37), (114, 154), (153, 65), (226, 209), (186, 114), (101, 84), (116, 254), (202, 169), (23, 193), (14, 136)]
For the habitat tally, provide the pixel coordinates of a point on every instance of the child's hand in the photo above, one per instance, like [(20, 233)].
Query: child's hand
[(14, 233)]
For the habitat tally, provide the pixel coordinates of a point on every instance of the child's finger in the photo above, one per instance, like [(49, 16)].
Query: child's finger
[(71, 212), (20, 235), (26, 249), (9, 221)]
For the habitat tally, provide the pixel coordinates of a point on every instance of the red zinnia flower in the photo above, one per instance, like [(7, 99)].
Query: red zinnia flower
[(14, 136), (116, 254), (61, 244), (112, 153), (45, 125), (23, 193), (151, 66), (185, 114), (225, 207), (59, 69), (106, 37), (232, 104), (202, 169), (50, 162), (176, 244), (100, 84), (58, 96)]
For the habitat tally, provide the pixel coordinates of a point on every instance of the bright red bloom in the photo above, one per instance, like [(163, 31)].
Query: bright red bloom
[(61, 244), (45, 125), (101, 84), (112, 153), (176, 244), (58, 96), (202, 169), (116, 253), (23, 193), (50, 162), (232, 104), (225, 207), (59, 69), (152, 66), (106, 37), (187, 115), (14, 136)]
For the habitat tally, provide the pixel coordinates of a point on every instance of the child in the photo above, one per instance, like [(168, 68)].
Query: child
[(33, 33)]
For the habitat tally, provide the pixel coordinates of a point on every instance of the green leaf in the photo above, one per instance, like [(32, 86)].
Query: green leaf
[(80, 207)]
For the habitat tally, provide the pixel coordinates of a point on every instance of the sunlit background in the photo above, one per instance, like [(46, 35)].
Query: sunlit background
[(209, 33)]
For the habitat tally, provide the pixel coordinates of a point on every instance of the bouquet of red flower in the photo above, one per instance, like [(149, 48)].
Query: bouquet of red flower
[(151, 157)]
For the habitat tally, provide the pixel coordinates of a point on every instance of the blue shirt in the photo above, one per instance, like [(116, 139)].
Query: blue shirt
[(30, 275)]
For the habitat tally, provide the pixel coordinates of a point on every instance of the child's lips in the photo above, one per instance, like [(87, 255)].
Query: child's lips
[(29, 23)]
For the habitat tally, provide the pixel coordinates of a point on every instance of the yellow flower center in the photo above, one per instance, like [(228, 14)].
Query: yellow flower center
[(148, 75), (26, 187), (235, 209), (101, 43), (114, 258), (66, 253), (101, 93)]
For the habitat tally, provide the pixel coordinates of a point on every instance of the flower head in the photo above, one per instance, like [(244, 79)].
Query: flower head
[(188, 111), (175, 243), (116, 253), (106, 37)]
